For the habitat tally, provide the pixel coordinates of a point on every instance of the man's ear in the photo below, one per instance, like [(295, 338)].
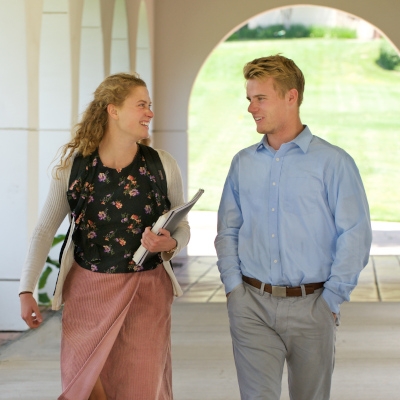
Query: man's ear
[(292, 96), (112, 111)]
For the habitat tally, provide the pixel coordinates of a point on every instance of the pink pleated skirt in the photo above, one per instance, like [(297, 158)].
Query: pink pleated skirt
[(118, 327)]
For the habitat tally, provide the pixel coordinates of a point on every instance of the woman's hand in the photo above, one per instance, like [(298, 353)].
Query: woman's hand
[(157, 243), (30, 311)]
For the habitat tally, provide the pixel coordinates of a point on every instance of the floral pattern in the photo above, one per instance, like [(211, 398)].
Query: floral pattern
[(118, 206)]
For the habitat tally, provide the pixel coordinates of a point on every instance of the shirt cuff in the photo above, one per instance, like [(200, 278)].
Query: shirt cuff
[(231, 282), (333, 300)]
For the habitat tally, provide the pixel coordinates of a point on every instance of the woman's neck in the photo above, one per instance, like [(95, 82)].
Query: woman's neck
[(117, 155)]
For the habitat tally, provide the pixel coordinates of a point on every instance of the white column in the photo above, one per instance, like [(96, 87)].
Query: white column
[(140, 46), (55, 88), (91, 53), (18, 150), (143, 50), (55, 99), (119, 43), (75, 11), (107, 13), (175, 141)]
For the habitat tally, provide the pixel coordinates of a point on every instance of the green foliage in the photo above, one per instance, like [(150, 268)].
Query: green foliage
[(388, 58), (58, 239), (51, 264), (44, 299), (297, 31), (336, 32), (43, 278), (293, 32), (270, 32)]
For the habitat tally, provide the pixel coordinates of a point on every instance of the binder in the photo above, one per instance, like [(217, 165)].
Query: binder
[(168, 221)]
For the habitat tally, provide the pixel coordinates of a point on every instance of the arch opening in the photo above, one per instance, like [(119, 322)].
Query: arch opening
[(349, 100)]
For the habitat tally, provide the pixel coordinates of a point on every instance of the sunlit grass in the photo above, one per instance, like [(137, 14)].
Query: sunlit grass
[(349, 100)]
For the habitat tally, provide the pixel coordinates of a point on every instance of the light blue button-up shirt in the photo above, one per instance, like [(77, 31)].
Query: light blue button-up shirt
[(294, 216)]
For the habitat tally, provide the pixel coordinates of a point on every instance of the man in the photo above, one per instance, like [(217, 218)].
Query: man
[(294, 234)]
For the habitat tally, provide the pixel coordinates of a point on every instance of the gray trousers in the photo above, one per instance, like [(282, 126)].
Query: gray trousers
[(268, 330)]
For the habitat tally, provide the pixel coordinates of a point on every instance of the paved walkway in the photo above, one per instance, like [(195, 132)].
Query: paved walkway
[(368, 350), (386, 235)]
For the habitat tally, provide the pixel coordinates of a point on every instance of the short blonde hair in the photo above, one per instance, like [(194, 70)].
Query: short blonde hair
[(89, 132), (285, 72)]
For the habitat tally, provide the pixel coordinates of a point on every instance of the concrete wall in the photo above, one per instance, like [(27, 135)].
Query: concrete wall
[(54, 53), (18, 133)]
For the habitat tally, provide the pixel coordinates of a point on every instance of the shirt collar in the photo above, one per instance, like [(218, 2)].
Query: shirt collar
[(302, 140)]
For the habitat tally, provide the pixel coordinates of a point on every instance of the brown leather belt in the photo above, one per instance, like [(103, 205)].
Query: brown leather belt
[(284, 291)]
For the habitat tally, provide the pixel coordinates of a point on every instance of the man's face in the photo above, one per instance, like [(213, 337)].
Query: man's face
[(267, 106)]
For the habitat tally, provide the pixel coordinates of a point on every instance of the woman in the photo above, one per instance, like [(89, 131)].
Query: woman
[(117, 315)]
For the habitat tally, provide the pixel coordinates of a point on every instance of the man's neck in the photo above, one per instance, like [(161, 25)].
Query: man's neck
[(275, 140)]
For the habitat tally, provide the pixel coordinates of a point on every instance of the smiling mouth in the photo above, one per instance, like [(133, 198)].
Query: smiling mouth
[(146, 124), (257, 119)]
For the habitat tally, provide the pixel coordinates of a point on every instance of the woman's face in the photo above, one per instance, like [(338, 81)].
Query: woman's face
[(135, 114)]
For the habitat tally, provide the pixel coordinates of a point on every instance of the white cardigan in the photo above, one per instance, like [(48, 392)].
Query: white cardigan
[(56, 208)]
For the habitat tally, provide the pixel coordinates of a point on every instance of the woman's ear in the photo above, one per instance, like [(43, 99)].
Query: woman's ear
[(112, 111)]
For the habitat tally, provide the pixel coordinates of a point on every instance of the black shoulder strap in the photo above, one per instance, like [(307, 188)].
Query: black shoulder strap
[(156, 168), (77, 169)]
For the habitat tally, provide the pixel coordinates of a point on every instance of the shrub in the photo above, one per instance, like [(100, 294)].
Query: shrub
[(298, 31), (295, 31), (388, 58)]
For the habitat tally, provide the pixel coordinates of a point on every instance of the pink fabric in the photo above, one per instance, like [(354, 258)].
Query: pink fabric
[(117, 326)]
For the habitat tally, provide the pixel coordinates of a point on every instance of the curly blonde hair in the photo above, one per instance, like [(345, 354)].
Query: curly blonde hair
[(286, 73), (89, 132)]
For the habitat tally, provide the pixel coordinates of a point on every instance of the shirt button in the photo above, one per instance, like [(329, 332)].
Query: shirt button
[(272, 209), (273, 183), (273, 235), (277, 159), (275, 261)]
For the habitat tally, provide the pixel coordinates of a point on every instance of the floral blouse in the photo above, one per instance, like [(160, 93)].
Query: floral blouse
[(117, 206)]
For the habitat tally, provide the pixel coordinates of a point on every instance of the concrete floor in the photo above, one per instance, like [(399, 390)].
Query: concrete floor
[(367, 353), (368, 349)]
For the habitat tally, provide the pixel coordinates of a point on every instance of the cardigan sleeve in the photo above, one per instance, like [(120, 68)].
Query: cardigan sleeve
[(176, 197), (53, 213)]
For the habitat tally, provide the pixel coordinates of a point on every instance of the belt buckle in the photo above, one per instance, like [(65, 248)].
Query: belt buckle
[(279, 291)]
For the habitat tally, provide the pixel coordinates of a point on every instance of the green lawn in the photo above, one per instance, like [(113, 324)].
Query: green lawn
[(349, 101)]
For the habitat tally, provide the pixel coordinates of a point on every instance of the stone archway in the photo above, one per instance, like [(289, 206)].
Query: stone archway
[(187, 32), (220, 126)]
